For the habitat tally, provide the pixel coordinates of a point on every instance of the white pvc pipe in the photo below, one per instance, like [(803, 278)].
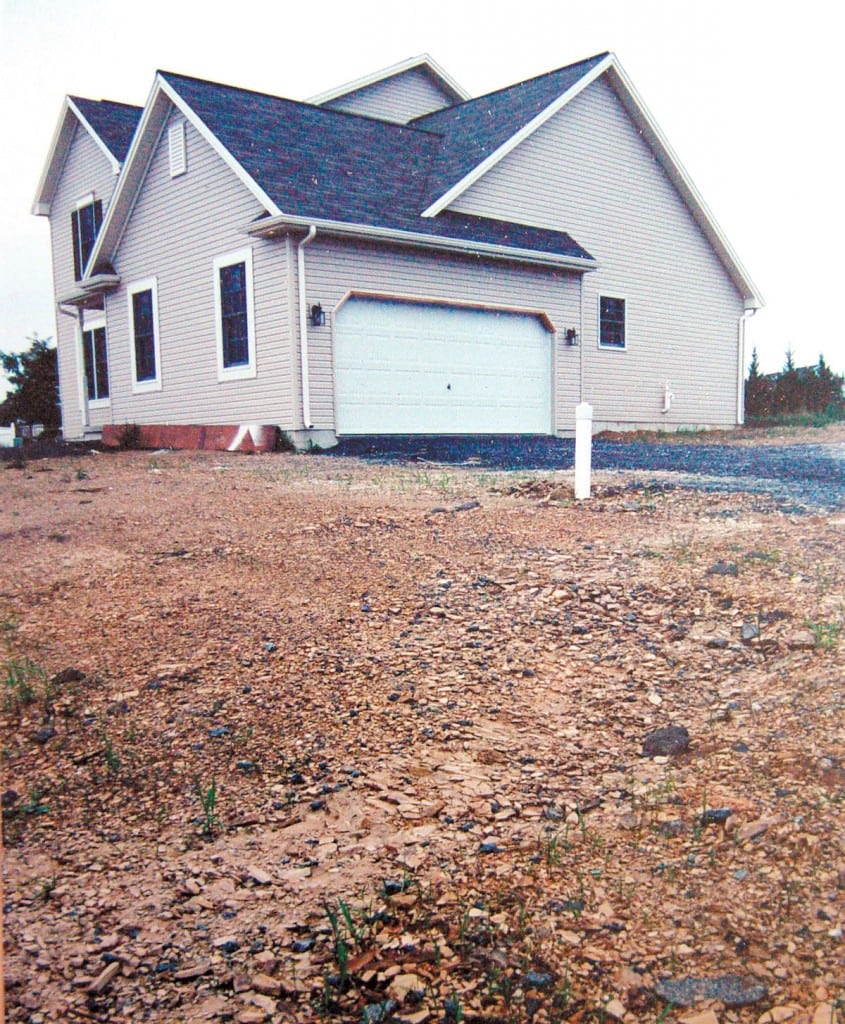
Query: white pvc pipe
[(583, 449), (740, 376), (303, 328)]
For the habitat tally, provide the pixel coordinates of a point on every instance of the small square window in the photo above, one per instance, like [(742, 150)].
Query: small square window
[(611, 321)]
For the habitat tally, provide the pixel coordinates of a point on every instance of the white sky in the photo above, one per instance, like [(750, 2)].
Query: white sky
[(748, 93)]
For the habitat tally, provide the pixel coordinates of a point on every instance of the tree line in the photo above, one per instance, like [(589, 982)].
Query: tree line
[(796, 391)]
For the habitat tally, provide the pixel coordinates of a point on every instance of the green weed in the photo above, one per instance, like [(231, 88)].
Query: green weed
[(207, 796), (20, 677)]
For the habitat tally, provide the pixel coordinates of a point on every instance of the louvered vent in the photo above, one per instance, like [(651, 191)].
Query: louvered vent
[(178, 158)]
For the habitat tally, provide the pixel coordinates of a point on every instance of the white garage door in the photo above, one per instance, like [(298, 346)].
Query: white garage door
[(410, 368)]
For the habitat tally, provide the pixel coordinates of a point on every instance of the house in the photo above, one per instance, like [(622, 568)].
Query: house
[(390, 257)]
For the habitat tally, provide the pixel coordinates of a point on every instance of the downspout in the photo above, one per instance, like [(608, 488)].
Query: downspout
[(82, 383), (303, 327), (740, 377), (581, 345)]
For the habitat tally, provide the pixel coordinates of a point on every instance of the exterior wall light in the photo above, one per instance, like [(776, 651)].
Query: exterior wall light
[(318, 316), (571, 336)]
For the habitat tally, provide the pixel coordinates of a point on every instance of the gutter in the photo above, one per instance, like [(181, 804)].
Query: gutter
[(740, 376), (90, 286), (303, 326), (274, 225)]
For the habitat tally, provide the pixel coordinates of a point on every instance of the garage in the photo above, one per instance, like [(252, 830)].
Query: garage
[(418, 368)]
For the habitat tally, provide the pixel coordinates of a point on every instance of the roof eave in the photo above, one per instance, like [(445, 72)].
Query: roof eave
[(97, 284), (146, 137), (275, 225)]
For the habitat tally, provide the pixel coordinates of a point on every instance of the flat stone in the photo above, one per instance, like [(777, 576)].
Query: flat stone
[(730, 989), (666, 742), (266, 985), (403, 985), (704, 1017), (258, 875), (196, 970), (615, 1008)]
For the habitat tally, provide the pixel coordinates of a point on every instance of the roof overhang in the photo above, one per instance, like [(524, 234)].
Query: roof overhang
[(458, 93), (69, 116), (270, 226), (163, 97), (656, 140)]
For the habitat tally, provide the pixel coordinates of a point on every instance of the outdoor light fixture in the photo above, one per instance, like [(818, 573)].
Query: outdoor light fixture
[(571, 336), (318, 316)]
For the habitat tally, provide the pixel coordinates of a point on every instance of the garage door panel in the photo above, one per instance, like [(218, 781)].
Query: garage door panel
[(411, 368)]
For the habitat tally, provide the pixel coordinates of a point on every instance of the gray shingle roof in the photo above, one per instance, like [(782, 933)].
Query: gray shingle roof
[(329, 165), (115, 123), (473, 130)]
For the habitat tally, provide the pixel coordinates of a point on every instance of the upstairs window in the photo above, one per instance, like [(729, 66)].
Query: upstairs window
[(143, 323), (85, 222), (234, 312), (96, 359), (611, 321)]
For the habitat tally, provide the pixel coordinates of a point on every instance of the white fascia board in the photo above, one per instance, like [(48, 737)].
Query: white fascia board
[(58, 150), (679, 177), (112, 227), (367, 232), (508, 146), (144, 144), (396, 69), (115, 163), (219, 148)]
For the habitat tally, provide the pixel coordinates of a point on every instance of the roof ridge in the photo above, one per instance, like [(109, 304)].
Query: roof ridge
[(305, 103), (112, 103)]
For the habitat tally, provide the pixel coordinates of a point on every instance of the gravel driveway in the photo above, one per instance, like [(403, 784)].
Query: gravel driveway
[(799, 477)]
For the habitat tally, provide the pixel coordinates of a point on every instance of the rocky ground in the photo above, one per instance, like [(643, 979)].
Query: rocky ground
[(288, 738)]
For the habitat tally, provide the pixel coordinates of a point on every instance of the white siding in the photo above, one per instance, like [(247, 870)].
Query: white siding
[(400, 98), (334, 268), (85, 170), (177, 228), (588, 172)]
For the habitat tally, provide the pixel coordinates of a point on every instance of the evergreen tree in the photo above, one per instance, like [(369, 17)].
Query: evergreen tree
[(34, 377)]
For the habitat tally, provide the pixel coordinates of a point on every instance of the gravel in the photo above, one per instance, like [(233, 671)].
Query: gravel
[(798, 477)]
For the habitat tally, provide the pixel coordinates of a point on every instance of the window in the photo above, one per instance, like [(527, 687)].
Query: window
[(85, 222), (96, 361), (143, 324), (234, 312), (611, 321), (178, 157)]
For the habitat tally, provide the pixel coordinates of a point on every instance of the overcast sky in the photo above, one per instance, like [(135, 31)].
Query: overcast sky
[(748, 93)]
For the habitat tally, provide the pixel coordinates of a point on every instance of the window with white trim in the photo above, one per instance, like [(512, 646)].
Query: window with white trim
[(612, 321), (234, 315), (85, 222), (95, 357), (178, 155), (143, 332)]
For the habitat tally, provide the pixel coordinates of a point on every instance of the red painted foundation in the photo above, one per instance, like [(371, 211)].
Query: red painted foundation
[(245, 438)]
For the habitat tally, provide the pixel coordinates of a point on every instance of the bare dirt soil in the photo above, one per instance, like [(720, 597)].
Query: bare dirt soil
[(299, 739)]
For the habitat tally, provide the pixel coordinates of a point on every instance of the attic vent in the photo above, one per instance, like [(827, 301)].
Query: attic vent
[(178, 159)]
